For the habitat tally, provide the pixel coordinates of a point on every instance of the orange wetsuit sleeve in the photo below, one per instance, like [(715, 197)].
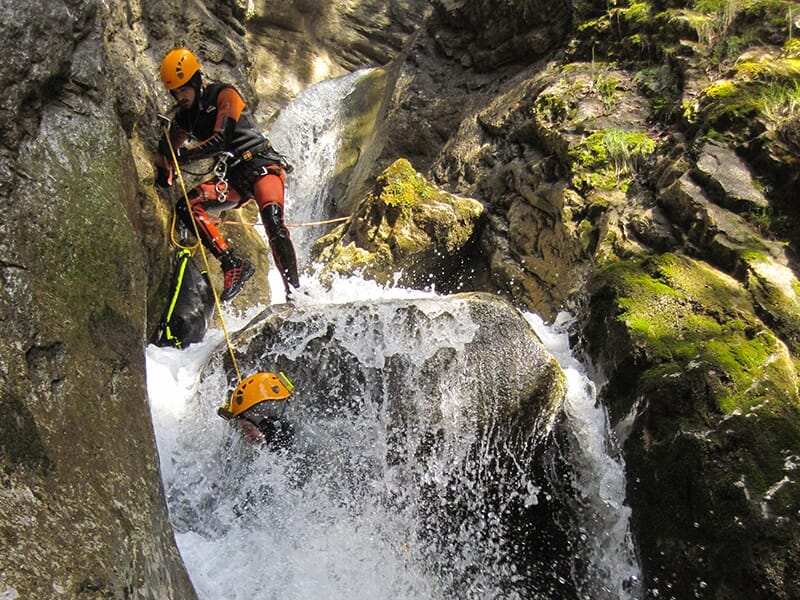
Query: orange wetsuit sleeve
[(230, 104)]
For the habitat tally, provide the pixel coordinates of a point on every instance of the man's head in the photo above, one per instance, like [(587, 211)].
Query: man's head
[(267, 422), (259, 404), (181, 75)]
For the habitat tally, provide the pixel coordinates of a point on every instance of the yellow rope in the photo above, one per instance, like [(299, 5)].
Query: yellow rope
[(175, 241), (202, 251)]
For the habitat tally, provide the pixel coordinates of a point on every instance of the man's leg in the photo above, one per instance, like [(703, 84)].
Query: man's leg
[(269, 195), (236, 270)]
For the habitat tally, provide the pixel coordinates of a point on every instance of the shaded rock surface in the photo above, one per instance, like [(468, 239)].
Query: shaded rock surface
[(623, 181)]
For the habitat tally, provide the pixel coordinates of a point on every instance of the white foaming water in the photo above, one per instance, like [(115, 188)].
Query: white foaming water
[(307, 133), (251, 523), (339, 519), (318, 540), (600, 477)]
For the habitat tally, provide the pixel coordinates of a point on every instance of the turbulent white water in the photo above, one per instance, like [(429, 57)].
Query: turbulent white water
[(338, 518)]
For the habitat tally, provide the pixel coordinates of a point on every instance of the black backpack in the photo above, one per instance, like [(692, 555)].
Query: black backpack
[(190, 306)]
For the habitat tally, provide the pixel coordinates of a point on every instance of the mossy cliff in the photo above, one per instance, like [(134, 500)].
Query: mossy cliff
[(82, 507), (706, 400), (635, 163), (638, 166)]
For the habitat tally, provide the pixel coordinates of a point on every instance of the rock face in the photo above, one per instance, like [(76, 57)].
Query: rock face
[(621, 182), (81, 501), (637, 165), (85, 265)]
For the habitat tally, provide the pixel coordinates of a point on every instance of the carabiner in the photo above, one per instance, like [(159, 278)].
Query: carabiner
[(221, 174)]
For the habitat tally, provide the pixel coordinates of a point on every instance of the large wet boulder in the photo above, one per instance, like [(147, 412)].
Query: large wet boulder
[(476, 342)]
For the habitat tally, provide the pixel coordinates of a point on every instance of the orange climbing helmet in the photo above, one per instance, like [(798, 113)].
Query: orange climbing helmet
[(254, 390), (178, 68)]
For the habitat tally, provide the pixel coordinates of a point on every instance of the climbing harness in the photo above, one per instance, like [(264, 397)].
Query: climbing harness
[(217, 304)]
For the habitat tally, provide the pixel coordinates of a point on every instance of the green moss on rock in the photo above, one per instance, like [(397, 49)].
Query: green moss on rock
[(711, 395), (681, 312), (609, 159), (404, 225)]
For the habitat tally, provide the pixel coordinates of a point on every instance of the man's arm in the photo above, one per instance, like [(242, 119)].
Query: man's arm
[(177, 137), (164, 161), (230, 105)]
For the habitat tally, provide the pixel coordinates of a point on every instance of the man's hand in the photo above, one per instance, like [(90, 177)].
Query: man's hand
[(163, 176)]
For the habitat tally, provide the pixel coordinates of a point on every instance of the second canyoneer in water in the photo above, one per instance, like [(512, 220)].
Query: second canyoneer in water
[(212, 121)]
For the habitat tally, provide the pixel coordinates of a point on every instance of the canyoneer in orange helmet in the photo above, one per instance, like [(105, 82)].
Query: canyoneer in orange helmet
[(259, 406), (212, 120)]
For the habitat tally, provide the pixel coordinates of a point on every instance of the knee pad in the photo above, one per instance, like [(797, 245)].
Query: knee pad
[(272, 217)]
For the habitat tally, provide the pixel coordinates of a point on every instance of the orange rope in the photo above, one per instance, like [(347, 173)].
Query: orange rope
[(309, 224)]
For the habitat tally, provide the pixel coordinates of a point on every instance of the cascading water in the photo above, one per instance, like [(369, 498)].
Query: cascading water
[(361, 508), (307, 132)]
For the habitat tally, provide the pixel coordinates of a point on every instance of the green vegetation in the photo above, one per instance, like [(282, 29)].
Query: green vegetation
[(609, 159), (403, 187), (766, 88), (606, 86), (637, 14), (552, 108), (684, 315), (781, 102)]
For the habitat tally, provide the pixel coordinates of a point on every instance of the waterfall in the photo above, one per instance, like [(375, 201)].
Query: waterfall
[(307, 132), (342, 516)]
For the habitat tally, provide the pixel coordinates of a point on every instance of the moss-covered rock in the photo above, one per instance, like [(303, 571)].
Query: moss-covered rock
[(404, 225), (80, 469), (709, 394), (609, 159)]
